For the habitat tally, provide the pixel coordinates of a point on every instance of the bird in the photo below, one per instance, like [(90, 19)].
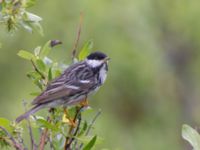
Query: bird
[(74, 85)]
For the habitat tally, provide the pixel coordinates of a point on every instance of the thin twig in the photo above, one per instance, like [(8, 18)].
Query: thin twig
[(44, 136), (67, 141), (31, 135), (77, 37), (15, 144), (91, 125), (93, 121), (51, 143), (33, 145), (77, 129), (43, 139), (22, 142)]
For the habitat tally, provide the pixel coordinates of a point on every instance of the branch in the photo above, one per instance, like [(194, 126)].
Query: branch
[(77, 37), (15, 144), (68, 142), (77, 129), (44, 136), (43, 139)]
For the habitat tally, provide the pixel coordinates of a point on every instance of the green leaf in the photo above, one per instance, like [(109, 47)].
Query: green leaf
[(35, 93), (37, 27), (90, 144), (192, 136), (6, 124), (26, 55), (38, 83), (32, 17), (43, 123), (40, 65), (57, 73), (72, 111), (46, 49), (59, 142), (37, 50), (85, 50), (46, 124), (30, 3), (26, 26), (50, 74), (86, 139), (33, 75)]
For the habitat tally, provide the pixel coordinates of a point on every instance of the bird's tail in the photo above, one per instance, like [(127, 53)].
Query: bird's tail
[(28, 113)]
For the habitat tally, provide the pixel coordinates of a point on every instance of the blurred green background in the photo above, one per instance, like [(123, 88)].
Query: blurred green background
[(153, 82)]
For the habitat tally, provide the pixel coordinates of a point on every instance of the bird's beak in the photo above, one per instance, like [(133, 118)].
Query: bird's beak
[(106, 59)]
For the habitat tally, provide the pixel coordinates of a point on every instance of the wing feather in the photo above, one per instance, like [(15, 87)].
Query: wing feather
[(69, 83), (52, 94)]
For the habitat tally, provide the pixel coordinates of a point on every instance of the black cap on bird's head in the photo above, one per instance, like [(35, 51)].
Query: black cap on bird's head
[(97, 56)]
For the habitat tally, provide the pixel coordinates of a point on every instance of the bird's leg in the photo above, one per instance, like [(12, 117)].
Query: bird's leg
[(71, 121), (84, 103)]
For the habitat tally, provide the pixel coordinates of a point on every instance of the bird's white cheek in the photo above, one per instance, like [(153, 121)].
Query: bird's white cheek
[(94, 63)]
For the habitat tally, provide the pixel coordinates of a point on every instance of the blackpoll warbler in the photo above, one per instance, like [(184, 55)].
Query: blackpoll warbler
[(77, 82)]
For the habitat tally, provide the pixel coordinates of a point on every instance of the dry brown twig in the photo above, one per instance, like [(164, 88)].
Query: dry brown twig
[(74, 50), (33, 145), (44, 136)]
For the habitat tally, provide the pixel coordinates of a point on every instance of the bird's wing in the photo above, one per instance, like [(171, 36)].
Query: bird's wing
[(65, 86)]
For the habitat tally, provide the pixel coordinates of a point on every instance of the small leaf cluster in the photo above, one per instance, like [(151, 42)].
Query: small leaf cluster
[(45, 69), (56, 129), (14, 14), (9, 132)]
